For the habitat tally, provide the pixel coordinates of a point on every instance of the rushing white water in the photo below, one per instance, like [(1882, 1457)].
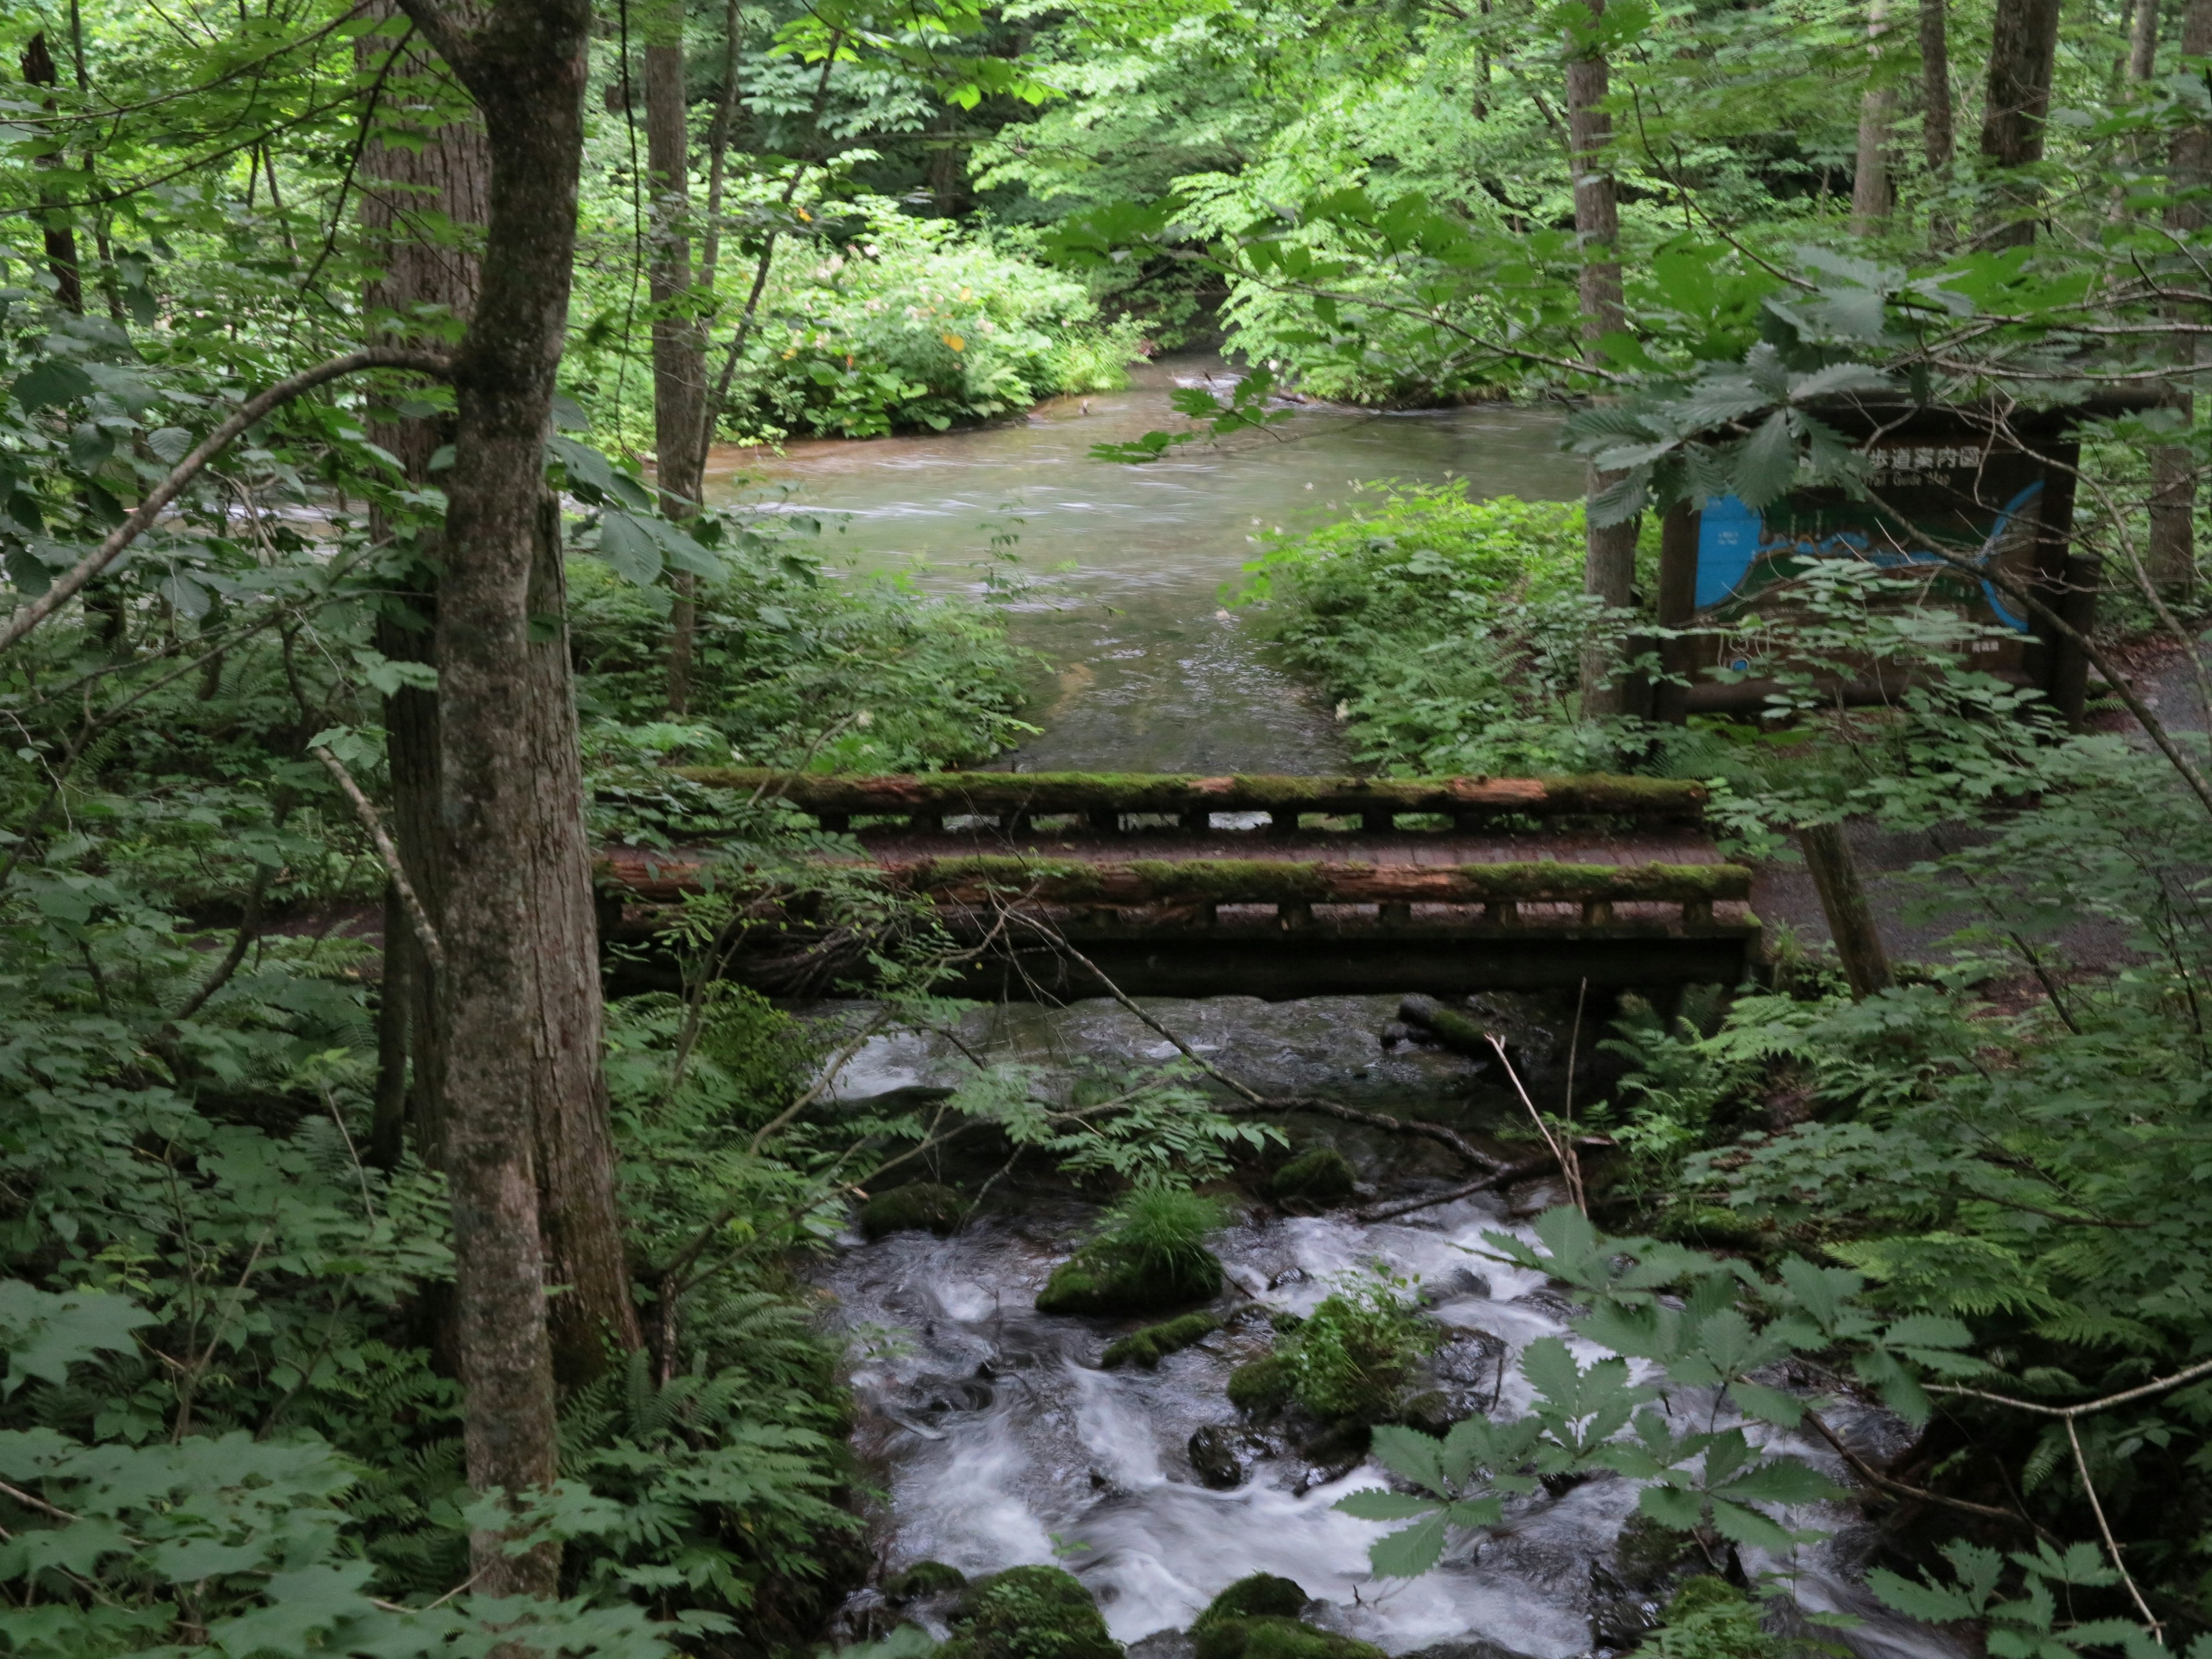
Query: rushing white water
[(1001, 1442)]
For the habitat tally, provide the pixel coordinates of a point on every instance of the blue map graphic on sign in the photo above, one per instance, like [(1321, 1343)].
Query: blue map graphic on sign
[(1732, 540)]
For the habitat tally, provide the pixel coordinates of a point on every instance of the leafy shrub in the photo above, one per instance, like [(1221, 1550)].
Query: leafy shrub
[(1709, 1618), (914, 322), (1451, 630), (1149, 1256), (1355, 1353)]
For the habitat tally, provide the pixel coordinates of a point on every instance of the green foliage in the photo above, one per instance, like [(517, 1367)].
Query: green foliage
[(1268, 1636), (1355, 1352), (906, 323), (1450, 630), (1260, 1387), (1148, 1346), (1029, 1613), (1709, 1618), (1150, 1256), (2038, 1621)]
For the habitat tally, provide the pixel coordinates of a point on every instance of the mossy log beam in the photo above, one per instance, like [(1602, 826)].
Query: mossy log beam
[(1101, 797)]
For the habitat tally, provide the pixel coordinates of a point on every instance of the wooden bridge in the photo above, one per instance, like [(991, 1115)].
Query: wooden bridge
[(1279, 886)]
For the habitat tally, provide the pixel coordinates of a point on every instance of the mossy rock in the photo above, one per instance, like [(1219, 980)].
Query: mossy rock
[(1260, 1596), (1321, 1177), (1150, 1346), (1433, 1412), (922, 1207), (1262, 1387), (1029, 1613), (923, 1578), (1712, 1227), (1274, 1638), (1107, 1278)]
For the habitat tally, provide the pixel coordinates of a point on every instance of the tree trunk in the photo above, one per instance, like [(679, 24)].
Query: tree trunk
[(2143, 41), (60, 230), (1844, 902), (679, 348), (525, 63), (1609, 550), (2173, 539), (1935, 124), (447, 174), (1872, 196), (2023, 47)]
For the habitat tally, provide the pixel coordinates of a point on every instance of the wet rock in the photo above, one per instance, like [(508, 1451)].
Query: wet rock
[(1620, 1617), (1258, 1595), (1323, 1177), (1394, 1033), (921, 1207), (1288, 1276), (1221, 1456), (1163, 1644), (1150, 1346), (1447, 1026), (1117, 1279), (1332, 1453), (1261, 1388), (1531, 1198), (1432, 1411), (1029, 1610), (923, 1578), (1464, 1647), (1646, 1554), (1521, 1022)]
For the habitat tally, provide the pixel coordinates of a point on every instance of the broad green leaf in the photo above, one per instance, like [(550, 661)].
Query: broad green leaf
[(1409, 1553), (1376, 1504)]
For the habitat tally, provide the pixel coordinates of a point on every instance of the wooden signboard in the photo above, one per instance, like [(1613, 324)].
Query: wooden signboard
[(1995, 491)]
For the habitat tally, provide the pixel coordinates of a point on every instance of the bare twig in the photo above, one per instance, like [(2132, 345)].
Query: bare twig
[(2112, 1544), (433, 948), (1571, 1167), (2087, 1407)]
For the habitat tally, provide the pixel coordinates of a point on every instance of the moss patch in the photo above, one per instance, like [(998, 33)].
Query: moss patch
[(1108, 1278), (1262, 1595), (1323, 1176), (922, 1207), (1275, 1638), (923, 1578), (1261, 1388), (1029, 1613), (1150, 1346), (1257, 881)]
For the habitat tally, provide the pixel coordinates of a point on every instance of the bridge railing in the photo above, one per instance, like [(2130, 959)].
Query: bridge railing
[(1013, 801)]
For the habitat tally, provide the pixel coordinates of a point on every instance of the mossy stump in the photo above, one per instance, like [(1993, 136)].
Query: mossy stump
[(1108, 1278), (1029, 1613), (921, 1206), (1275, 1638), (1321, 1177), (1152, 1343)]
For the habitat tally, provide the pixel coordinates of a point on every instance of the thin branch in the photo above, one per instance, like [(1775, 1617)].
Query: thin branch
[(1874, 1477), (249, 413), (2112, 1544), (433, 948), (2086, 1408), (248, 928), (1569, 1166)]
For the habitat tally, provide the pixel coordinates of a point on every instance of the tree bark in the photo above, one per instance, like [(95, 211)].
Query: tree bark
[(525, 63), (1873, 197), (60, 229), (2143, 40), (679, 348), (2023, 48), (2172, 550), (1608, 551), (1844, 902)]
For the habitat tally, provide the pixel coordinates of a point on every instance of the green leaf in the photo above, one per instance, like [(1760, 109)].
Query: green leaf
[(46, 1332), (53, 381), (1376, 1503), (628, 545), (1409, 1553), (1763, 466)]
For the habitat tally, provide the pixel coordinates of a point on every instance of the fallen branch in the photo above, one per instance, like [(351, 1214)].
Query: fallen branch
[(434, 950), (253, 410), (1874, 1477), (2126, 1396), (1571, 1169), (1504, 1177)]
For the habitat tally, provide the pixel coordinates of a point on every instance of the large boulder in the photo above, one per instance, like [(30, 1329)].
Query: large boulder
[(918, 1206), (1319, 1177), (1261, 1594), (1274, 1638)]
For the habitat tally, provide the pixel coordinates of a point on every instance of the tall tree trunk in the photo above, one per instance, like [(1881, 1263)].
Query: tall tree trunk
[(1872, 196), (1608, 551), (2173, 539), (1844, 904), (1935, 124), (2023, 49), (442, 177), (679, 348), (525, 63), (60, 230), (2143, 41)]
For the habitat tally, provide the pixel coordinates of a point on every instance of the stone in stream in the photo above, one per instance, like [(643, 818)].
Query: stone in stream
[(1321, 1177), (923, 1578), (1221, 1454), (1029, 1610), (918, 1206), (1111, 1277)]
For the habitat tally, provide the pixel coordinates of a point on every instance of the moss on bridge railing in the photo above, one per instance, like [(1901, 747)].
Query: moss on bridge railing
[(1275, 881), (1036, 795)]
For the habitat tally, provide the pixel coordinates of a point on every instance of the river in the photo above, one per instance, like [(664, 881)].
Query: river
[(995, 1436)]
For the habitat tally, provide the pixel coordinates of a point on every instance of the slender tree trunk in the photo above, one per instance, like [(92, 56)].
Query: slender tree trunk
[(2173, 538), (1935, 123), (59, 229), (2143, 41), (1844, 902), (1872, 196), (525, 63), (2023, 49), (443, 177), (679, 348), (1609, 550), (395, 996)]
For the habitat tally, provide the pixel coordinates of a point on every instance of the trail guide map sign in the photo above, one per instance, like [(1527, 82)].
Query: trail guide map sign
[(1993, 489)]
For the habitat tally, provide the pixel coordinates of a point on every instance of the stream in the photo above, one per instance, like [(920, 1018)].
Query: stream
[(994, 1436)]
